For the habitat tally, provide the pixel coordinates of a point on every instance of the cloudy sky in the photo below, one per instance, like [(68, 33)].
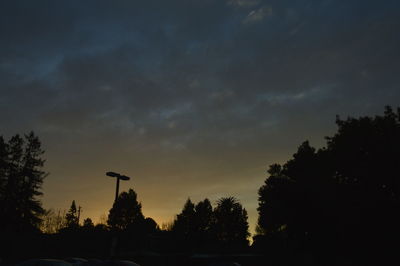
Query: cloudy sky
[(191, 98)]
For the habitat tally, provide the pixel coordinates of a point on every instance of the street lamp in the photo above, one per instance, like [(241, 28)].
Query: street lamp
[(118, 176)]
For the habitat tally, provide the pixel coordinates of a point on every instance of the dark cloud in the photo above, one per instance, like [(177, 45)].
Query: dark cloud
[(204, 94)]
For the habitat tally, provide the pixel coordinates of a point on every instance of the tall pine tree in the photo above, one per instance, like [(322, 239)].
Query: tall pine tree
[(72, 216), (21, 178)]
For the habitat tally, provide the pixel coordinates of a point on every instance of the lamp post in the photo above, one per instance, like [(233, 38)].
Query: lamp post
[(114, 240), (119, 177)]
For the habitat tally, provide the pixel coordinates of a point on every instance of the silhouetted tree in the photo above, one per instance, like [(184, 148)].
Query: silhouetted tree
[(21, 178), (273, 198), (126, 212), (60, 221), (88, 223), (230, 225), (199, 227), (72, 216), (339, 197), (203, 222), (203, 216), (167, 226), (366, 151), (3, 173), (151, 225), (52, 221), (365, 154), (184, 223)]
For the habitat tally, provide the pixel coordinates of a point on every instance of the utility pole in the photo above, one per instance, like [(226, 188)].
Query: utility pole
[(79, 213)]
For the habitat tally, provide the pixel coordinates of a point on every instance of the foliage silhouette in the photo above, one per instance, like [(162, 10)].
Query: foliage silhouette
[(131, 230), (203, 216), (340, 200), (332, 206), (200, 228), (72, 217), (21, 178), (88, 224), (52, 222), (203, 225), (184, 225), (126, 212), (230, 223)]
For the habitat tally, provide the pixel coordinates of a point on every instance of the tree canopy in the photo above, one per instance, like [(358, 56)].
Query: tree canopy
[(21, 178), (126, 211), (340, 196), (71, 217), (200, 227), (184, 224), (230, 225)]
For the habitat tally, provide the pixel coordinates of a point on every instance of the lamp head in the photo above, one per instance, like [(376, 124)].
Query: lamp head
[(112, 174), (124, 177)]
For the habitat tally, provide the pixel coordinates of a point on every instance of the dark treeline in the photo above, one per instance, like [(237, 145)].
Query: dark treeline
[(337, 205), (201, 228)]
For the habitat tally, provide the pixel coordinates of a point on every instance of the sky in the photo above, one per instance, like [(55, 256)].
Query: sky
[(190, 98)]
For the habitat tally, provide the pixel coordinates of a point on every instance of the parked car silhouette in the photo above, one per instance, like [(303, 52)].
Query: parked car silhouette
[(44, 262)]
